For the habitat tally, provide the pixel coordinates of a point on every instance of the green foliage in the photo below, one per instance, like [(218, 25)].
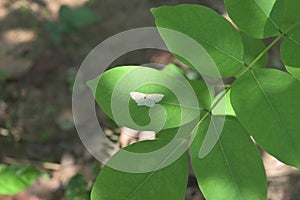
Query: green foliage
[(252, 48), (119, 82), (225, 49), (4, 76), (261, 102), (219, 109), (14, 179), (267, 114), (219, 175), (268, 18), (70, 20), (159, 184), (290, 52), (77, 188)]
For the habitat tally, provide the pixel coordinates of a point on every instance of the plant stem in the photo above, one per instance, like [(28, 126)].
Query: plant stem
[(237, 77), (248, 68), (260, 55)]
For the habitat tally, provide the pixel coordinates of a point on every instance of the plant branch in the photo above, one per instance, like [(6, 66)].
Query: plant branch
[(237, 77)]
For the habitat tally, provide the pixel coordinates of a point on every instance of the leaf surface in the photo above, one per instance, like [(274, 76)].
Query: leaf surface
[(233, 169), (209, 29), (290, 51), (262, 19), (166, 183), (266, 102), (14, 179), (112, 93)]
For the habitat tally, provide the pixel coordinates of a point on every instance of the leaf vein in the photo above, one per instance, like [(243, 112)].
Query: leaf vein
[(273, 109), (227, 162), (221, 50), (265, 13), (153, 172)]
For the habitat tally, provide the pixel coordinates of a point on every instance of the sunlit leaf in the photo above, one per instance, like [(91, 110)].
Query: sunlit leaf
[(14, 179), (168, 183), (262, 19), (233, 169), (266, 102), (112, 93), (213, 32)]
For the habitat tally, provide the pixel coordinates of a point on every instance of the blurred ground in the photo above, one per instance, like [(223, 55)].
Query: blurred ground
[(36, 124)]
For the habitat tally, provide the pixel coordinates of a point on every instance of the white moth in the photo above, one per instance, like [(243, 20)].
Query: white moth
[(148, 100)]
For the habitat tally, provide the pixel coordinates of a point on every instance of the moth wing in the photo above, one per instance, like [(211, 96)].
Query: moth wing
[(137, 96), (155, 97), (148, 100), (140, 98)]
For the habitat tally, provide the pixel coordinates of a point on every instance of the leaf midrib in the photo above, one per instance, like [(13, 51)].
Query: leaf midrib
[(227, 162), (280, 122), (268, 17), (152, 173), (206, 41), (221, 50)]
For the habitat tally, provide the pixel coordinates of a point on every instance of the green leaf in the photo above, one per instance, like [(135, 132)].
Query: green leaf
[(253, 47), (14, 179), (266, 102), (77, 188), (262, 19), (213, 32), (290, 15), (172, 69), (4, 75), (233, 169), (112, 93), (224, 106), (168, 183), (290, 51), (76, 18), (254, 17), (203, 92)]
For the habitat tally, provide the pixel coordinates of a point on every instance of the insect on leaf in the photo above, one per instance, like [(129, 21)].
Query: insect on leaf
[(148, 100)]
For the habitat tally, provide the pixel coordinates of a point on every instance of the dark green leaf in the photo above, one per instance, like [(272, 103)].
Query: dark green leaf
[(203, 92), (290, 51), (4, 75), (76, 18), (262, 19), (213, 32), (168, 183), (253, 47), (254, 17), (233, 169), (266, 102), (77, 188)]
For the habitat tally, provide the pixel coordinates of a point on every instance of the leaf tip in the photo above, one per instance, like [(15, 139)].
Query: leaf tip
[(93, 84), (153, 10)]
